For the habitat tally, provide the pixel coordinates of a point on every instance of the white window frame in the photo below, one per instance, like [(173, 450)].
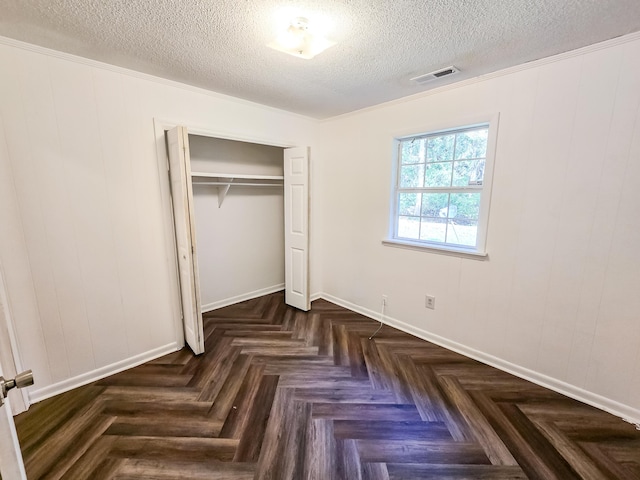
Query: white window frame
[(480, 249)]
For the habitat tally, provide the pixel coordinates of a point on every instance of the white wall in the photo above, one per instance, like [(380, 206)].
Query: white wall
[(85, 240), (557, 300), (240, 245)]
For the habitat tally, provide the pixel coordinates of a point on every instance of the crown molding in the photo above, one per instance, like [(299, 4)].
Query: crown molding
[(631, 37), (10, 42), (203, 91)]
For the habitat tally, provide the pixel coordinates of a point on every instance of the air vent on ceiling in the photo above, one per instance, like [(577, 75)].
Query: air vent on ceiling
[(429, 77)]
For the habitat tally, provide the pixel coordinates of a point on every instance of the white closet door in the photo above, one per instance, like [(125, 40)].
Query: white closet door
[(183, 217), (296, 227)]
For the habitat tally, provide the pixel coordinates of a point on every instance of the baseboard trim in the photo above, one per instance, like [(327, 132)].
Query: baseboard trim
[(626, 412), (241, 298), (99, 373)]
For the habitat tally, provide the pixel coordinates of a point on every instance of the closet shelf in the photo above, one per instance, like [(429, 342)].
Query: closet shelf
[(236, 175), (224, 181)]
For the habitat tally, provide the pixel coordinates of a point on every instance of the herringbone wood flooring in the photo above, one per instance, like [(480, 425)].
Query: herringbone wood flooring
[(282, 394)]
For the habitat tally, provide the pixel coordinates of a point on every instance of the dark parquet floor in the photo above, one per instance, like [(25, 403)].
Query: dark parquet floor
[(282, 394)]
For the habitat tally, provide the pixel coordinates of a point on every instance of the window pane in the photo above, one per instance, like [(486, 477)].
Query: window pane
[(411, 176), (440, 149), (412, 151), (409, 227), (468, 172), (462, 234), (434, 203), (472, 144), (433, 229), (465, 208), (438, 174), (409, 204)]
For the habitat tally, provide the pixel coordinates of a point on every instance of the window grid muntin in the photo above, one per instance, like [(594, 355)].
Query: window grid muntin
[(424, 158), (422, 218)]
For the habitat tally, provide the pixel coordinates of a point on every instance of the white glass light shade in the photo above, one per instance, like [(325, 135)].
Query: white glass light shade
[(298, 41)]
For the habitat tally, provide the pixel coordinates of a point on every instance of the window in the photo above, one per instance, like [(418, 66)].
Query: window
[(442, 188)]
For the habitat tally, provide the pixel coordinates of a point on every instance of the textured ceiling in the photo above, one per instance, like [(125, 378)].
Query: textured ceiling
[(221, 45)]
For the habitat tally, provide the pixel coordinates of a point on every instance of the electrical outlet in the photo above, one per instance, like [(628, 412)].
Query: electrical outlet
[(430, 302)]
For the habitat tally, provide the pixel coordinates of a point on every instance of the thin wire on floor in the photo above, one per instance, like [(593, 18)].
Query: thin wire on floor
[(384, 304)]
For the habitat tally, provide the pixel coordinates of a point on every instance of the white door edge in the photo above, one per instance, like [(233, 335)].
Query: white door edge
[(11, 463), (296, 226)]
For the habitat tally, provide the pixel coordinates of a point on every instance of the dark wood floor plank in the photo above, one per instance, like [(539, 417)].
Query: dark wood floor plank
[(532, 461), (144, 409), (324, 336), (343, 395), (131, 469), (486, 436), (607, 464), (206, 365), (377, 377), (150, 394), (94, 462), (447, 405), (64, 447), (294, 369), (237, 416), (348, 459), (571, 452), (323, 381), (139, 378), (281, 454), (220, 371), (356, 357), (543, 448), (257, 417), (45, 418), (404, 471), (390, 430), (365, 411), (181, 357), (424, 393), (392, 369), (340, 345), (289, 395), (165, 426), (417, 451), (228, 388), (174, 449), (374, 471), (320, 454)]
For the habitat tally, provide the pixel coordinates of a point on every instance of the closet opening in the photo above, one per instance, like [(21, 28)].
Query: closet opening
[(241, 223), (238, 200)]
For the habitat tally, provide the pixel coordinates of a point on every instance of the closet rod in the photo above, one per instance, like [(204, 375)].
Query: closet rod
[(243, 184), (236, 176)]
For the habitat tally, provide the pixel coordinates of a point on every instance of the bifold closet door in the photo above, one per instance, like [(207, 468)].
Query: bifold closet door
[(183, 217), (296, 227)]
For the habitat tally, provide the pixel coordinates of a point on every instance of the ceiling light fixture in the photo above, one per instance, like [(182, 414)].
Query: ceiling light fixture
[(299, 41)]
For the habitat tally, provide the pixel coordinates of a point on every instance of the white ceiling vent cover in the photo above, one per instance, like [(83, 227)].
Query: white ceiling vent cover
[(429, 77)]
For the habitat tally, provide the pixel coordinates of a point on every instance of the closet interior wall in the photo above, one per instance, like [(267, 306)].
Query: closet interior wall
[(240, 244)]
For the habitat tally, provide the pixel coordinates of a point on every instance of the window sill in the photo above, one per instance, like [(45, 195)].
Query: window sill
[(457, 252)]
